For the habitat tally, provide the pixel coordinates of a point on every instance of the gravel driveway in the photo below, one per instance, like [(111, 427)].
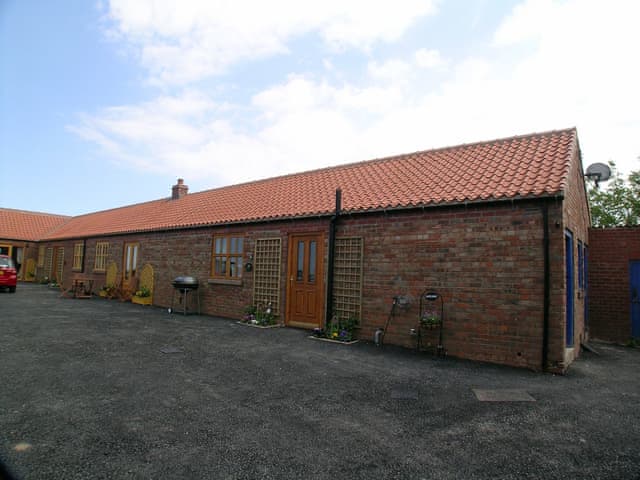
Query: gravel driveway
[(103, 389)]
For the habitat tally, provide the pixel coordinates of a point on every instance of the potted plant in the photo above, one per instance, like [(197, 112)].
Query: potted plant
[(142, 296), (260, 316), (108, 291), (342, 331), (430, 321)]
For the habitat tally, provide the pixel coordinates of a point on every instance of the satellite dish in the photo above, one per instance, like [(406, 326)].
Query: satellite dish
[(598, 172)]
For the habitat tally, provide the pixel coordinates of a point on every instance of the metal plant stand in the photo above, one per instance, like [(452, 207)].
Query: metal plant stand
[(431, 321)]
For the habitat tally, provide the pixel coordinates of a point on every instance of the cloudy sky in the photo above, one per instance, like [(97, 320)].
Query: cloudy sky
[(106, 103)]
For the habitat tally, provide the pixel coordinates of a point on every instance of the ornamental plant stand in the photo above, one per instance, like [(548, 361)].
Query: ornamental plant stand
[(141, 300), (431, 320)]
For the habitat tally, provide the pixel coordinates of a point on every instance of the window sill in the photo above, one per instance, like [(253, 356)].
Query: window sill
[(225, 281)]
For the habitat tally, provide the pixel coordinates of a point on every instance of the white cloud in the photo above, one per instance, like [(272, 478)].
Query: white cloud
[(183, 42), (150, 135), (395, 71), (528, 21), (360, 23), (582, 70), (429, 58), (570, 76)]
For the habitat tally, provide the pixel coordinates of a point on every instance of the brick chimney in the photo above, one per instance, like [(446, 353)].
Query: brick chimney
[(179, 190)]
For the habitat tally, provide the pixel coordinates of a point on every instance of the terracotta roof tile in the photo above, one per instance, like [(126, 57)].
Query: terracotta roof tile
[(29, 226), (526, 166)]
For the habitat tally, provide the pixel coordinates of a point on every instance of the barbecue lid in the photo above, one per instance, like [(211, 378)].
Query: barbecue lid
[(185, 280)]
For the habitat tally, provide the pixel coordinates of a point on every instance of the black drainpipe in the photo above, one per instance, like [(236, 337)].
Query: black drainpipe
[(332, 247), (547, 286)]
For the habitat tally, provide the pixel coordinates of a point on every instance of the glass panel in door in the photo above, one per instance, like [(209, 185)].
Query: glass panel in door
[(130, 267)]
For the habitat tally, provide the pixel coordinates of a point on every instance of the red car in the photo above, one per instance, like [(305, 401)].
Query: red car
[(8, 273)]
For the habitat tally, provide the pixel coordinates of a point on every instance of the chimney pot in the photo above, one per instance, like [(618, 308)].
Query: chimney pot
[(179, 190)]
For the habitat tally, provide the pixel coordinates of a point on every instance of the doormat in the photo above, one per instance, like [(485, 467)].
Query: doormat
[(170, 349), (332, 341), (503, 395)]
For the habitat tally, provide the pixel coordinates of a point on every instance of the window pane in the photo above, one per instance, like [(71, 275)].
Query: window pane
[(312, 261), (128, 258), (239, 263), (221, 265), (221, 245), (134, 262), (227, 257), (299, 275), (40, 257), (77, 256)]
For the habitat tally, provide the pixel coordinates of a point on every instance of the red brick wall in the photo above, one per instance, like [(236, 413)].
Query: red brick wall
[(486, 261), (188, 252), (611, 250)]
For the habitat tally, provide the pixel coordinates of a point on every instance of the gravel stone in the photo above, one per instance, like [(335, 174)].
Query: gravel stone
[(86, 392)]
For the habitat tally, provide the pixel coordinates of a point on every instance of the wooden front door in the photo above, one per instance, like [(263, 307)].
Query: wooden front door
[(130, 266), (305, 292)]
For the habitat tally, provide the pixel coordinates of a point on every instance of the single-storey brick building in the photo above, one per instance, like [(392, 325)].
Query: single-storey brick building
[(19, 233), (498, 229)]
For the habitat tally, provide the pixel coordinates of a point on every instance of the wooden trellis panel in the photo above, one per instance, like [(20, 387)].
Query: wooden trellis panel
[(59, 264), (48, 263), (266, 273), (347, 278)]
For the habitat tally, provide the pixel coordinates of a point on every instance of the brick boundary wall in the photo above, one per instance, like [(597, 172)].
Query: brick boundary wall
[(610, 251)]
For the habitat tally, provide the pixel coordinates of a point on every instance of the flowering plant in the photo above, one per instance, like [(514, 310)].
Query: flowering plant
[(262, 316), (143, 292), (430, 319), (339, 330)]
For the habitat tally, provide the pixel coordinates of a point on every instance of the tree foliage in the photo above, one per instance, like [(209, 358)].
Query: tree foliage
[(617, 204)]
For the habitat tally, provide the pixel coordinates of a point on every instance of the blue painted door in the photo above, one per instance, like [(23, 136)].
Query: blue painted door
[(635, 298), (568, 239)]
